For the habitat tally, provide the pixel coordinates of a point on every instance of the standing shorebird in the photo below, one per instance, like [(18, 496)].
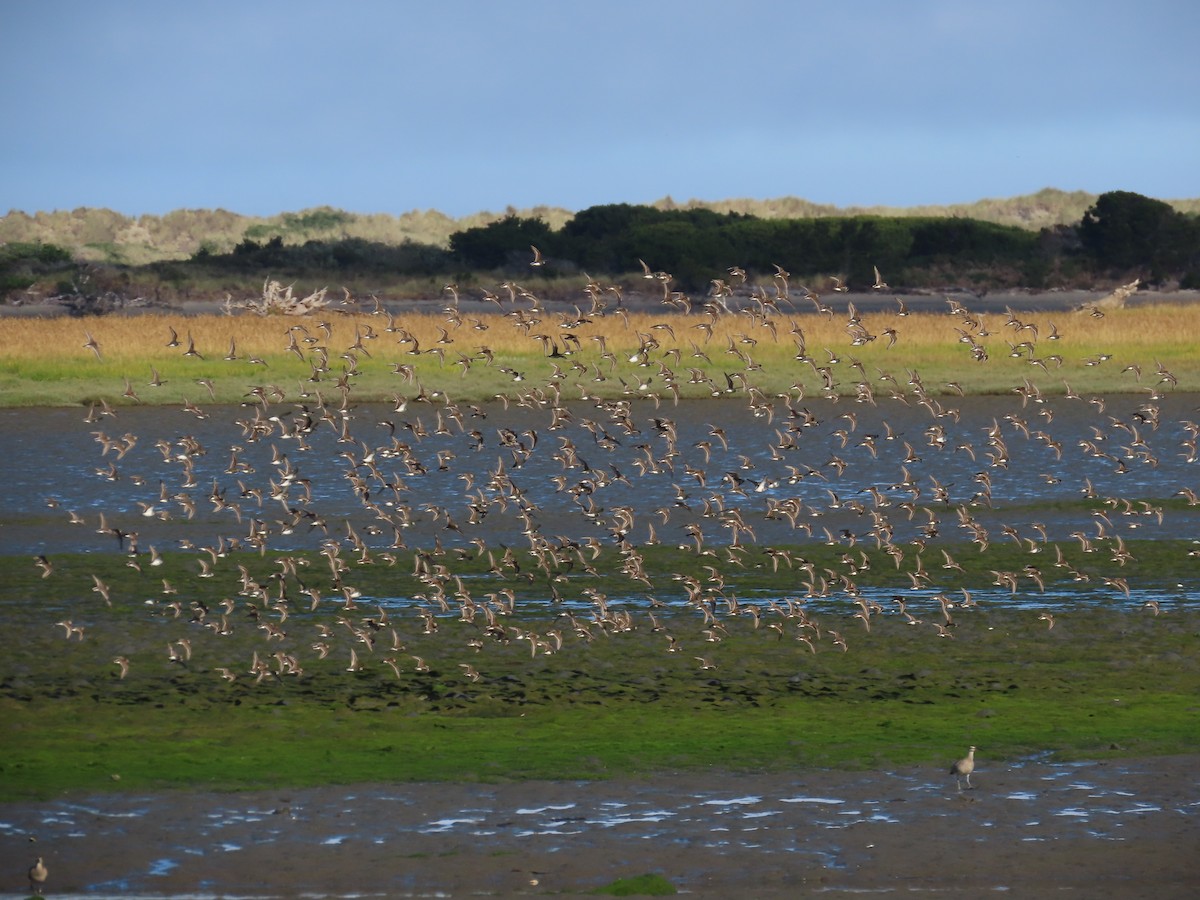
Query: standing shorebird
[(37, 876), (963, 768)]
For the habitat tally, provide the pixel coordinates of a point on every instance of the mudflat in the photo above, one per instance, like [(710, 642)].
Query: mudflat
[(1117, 828)]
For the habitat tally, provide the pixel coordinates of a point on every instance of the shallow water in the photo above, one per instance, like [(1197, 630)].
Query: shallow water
[(817, 819), (52, 456)]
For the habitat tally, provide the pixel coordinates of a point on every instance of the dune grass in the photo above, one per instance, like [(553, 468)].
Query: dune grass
[(472, 358)]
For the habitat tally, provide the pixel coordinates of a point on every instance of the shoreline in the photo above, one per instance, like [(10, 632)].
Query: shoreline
[(1118, 827)]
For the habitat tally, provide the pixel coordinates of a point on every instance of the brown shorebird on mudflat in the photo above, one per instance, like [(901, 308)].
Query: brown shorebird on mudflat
[(37, 876), (963, 768)]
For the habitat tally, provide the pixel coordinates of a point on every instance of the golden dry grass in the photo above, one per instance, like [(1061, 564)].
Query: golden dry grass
[(144, 337), (48, 360)]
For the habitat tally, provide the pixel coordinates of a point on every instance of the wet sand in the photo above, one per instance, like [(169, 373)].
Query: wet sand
[(1122, 828)]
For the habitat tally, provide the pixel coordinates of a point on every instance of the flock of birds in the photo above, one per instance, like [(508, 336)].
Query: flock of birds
[(583, 431)]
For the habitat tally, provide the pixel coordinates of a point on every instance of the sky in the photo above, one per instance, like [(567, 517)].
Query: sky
[(386, 107)]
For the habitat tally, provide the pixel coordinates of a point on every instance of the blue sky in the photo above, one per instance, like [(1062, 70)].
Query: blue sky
[(264, 107)]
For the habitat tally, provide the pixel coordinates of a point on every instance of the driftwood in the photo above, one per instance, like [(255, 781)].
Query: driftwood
[(279, 299), (1117, 298)]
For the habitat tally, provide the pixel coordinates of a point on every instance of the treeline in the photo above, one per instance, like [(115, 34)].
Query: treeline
[(105, 236), (350, 255), (23, 264), (1121, 235), (695, 245)]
